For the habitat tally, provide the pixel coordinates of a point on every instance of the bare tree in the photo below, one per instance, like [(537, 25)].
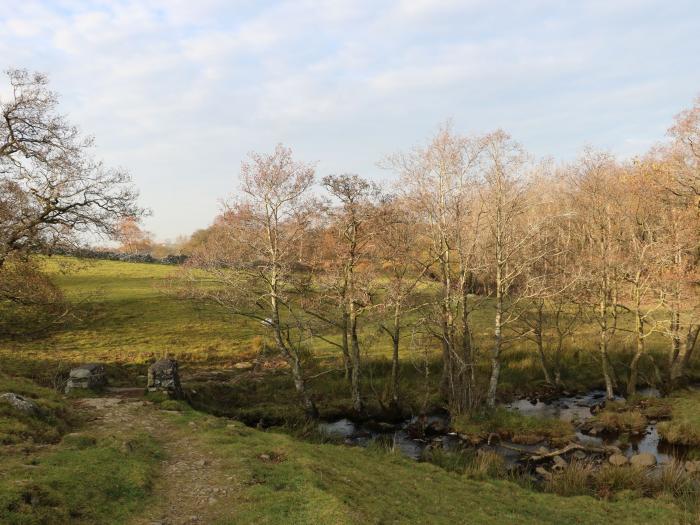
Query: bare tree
[(550, 315), (51, 189), (677, 243), (642, 237), (399, 250), (595, 198), (511, 231), (683, 154), (440, 183), (355, 221), (132, 237), (52, 193), (249, 260)]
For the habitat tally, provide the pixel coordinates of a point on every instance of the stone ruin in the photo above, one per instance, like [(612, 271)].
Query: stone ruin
[(163, 376), (89, 376)]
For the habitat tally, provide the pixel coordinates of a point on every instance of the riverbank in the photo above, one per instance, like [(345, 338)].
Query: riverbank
[(197, 468)]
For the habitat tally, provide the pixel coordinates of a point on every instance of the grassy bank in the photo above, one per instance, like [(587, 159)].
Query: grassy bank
[(512, 426), (84, 480), (52, 420), (284, 480), (53, 471), (113, 470)]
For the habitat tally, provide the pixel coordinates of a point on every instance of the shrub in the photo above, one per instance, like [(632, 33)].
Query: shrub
[(452, 461)]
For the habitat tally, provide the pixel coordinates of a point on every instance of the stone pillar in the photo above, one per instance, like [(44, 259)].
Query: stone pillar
[(163, 376), (89, 376)]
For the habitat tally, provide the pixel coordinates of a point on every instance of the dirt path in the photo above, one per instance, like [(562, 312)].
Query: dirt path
[(193, 486)]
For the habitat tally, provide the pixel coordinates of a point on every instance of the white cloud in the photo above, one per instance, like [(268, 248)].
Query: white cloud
[(177, 91)]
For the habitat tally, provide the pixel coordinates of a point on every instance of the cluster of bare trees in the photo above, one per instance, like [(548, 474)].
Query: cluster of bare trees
[(474, 223)]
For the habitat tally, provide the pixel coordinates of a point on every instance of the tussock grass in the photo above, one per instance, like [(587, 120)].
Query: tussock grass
[(622, 421), (573, 480), (670, 481), (684, 427), (512, 425)]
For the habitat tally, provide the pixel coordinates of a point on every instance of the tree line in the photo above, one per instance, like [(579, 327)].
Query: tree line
[(468, 222)]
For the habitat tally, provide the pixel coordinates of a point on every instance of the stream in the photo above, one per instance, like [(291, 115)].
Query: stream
[(574, 409)]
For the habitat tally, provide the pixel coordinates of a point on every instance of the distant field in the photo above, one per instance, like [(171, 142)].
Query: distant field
[(126, 315)]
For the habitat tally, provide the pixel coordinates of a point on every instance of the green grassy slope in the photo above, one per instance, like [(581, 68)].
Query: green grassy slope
[(310, 483)]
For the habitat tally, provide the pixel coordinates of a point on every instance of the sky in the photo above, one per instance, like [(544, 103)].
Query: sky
[(179, 91)]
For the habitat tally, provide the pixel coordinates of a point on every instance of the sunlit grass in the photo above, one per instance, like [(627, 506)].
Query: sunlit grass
[(128, 314)]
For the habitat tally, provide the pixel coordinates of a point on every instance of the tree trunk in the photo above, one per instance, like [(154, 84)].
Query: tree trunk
[(605, 361), (467, 350), (303, 392), (497, 343), (355, 388), (540, 346), (634, 364), (557, 361), (347, 363), (395, 338), (291, 355), (686, 351), (446, 382)]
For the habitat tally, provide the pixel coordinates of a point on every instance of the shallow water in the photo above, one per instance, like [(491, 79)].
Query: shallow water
[(578, 409), (573, 409), (399, 438)]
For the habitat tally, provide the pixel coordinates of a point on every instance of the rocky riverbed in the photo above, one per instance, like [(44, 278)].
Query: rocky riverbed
[(592, 441)]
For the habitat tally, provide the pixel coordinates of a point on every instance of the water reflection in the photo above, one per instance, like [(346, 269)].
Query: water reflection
[(415, 434)]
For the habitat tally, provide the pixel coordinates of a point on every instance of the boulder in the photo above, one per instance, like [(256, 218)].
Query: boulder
[(436, 428), (560, 463), (645, 459), (543, 473), (20, 403), (579, 454), (90, 376), (163, 376), (618, 460)]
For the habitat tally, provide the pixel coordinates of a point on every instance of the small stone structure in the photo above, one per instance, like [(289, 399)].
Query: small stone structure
[(21, 403), (163, 376), (89, 376)]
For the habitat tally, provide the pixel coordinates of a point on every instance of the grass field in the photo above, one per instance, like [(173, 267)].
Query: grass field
[(127, 315)]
